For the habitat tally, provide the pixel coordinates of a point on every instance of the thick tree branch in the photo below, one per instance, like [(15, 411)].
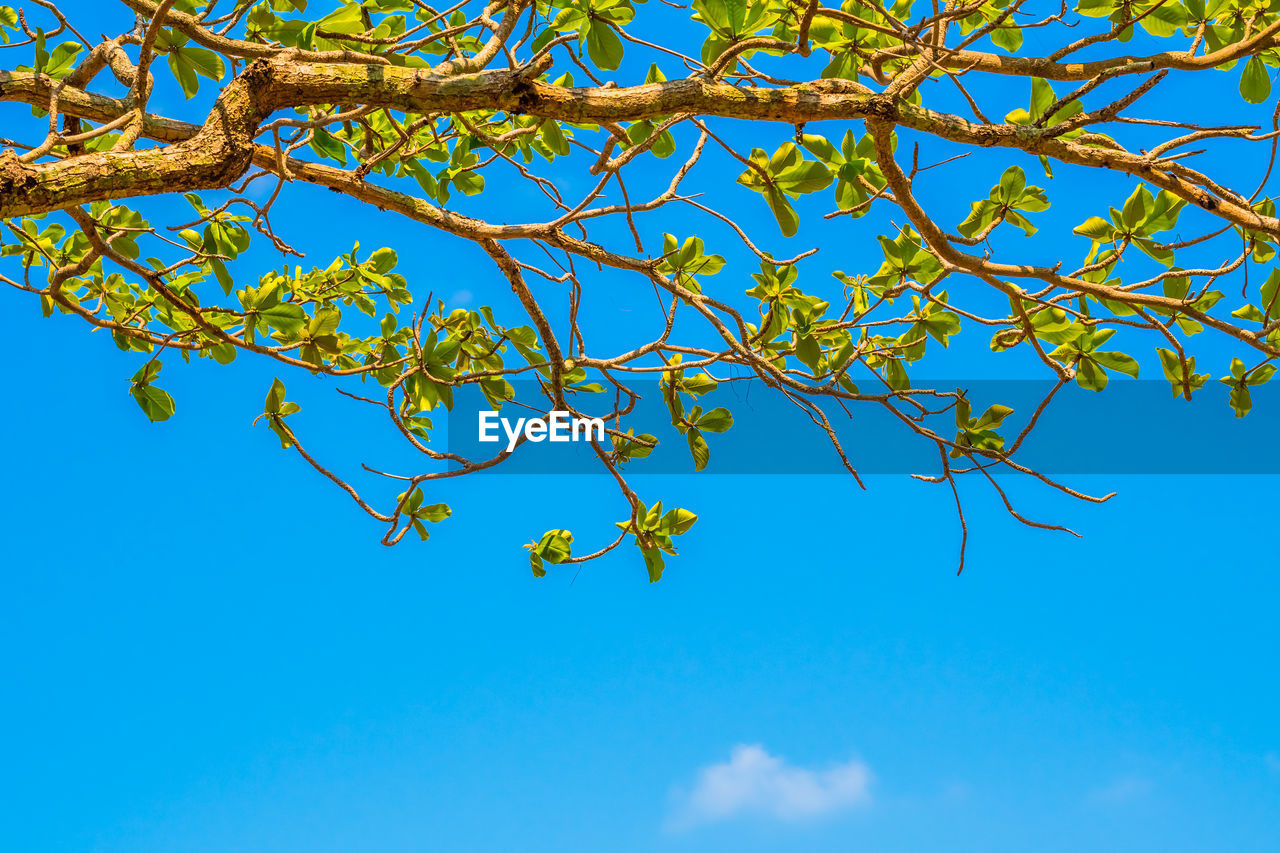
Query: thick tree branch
[(222, 150)]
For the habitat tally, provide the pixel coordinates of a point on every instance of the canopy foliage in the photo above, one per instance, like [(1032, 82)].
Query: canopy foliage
[(427, 111)]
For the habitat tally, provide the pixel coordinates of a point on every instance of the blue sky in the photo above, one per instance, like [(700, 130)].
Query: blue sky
[(207, 650)]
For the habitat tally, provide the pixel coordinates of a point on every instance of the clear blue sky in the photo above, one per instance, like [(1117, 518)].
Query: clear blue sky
[(206, 650)]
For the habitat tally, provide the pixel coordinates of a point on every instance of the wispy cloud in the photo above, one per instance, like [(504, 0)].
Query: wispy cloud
[(1125, 789), (753, 782)]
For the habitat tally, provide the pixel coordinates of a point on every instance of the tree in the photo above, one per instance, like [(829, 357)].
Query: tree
[(419, 110)]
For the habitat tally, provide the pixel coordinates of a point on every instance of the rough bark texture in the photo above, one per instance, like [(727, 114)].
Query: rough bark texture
[(221, 150)]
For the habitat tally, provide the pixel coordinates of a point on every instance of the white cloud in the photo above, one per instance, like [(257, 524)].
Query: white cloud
[(1125, 789), (753, 782)]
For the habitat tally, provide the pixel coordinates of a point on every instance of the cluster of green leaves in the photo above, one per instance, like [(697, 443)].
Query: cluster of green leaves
[(696, 422), (853, 167), (639, 132), (629, 446), (381, 19), (1179, 369), (847, 43), (1143, 216), (1079, 346), (685, 261), (652, 530), (693, 423), (978, 433), (790, 319), (459, 169), (554, 547), (57, 63), (1226, 22), (299, 310), (188, 62), (275, 409), (1007, 198), (794, 323), (1241, 380), (784, 176), (1037, 113), (346, 316), (906, 259), (413, 509), (442, 155), (788, 174), (595, 22), (37, 243), (1006, 32), (54, 246), (154, 402), (1181, 372), (1222, 22), (729, 22), (929, 319), (8, 21), (1160, 19), (223, 239)]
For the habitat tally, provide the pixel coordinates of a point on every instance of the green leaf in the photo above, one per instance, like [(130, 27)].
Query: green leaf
[(603, 46), (155, 403), (1117, 361), (654, 563), (205, 62), (788, 220), (677, 522), (895, 375), (187, 62), (1164, 21), (469, 183), (807, 176), (1012, 183), (275, 398), (554, 137), (1255, 81), (737, 10), (384, 260), (1095, 228), (147, 373), (698, 448), (993, 417), (286, 318), (434, 512), (8, 21), (1095, 8), (822, 148), (1261, 375), (554, 547), (1008, 37), (808, 351), (981, 214), (327, 145), (57, 63), (1090, 376), (716, 420)]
